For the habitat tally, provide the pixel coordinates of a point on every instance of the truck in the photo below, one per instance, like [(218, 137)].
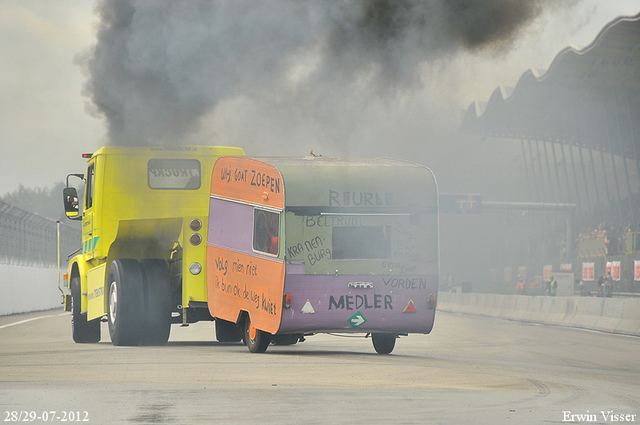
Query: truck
[(299, 246), (273, 250), (141, 265)]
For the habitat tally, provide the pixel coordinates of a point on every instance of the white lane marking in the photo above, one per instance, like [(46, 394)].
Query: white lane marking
[(32, 319)]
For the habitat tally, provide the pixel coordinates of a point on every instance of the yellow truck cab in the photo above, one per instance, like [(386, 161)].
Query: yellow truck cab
[(144, 233)]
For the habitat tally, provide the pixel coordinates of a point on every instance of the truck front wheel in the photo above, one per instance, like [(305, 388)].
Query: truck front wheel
[(83, 331), (125, 302)]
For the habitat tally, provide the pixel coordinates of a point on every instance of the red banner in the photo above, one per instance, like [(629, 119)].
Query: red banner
[(507, 274), (522, 271), (587, 271), (615, 270), (547, 271), (493, 275)]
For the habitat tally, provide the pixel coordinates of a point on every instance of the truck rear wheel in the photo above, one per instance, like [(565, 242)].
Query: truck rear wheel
[(83, 331), (228, 331), (156, 293), (383, 343), (124, 302), (257, 341)]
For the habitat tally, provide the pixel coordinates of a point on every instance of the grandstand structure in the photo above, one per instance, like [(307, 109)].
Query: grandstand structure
[(578, 126)]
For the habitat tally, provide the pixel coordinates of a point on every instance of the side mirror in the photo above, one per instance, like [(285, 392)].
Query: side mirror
[(70, 200)]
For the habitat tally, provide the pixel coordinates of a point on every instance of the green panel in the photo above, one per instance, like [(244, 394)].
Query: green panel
[(344, 182), (294, 250), (371, 187), (409, 244), (359, 216)]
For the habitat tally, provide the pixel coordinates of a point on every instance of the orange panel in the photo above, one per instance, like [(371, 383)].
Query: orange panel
[(248, 180), (238, 282)]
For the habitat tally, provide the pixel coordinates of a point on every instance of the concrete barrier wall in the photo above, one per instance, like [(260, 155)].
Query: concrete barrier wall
[(24, 289), (616, 315), (630, 322)]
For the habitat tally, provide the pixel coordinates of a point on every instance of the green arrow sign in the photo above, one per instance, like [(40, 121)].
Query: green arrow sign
[(357, 320)]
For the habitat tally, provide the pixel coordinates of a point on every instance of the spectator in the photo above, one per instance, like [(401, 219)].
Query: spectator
[(600, 284), (583, 289), (535, 285), (521, 288), (553, 287), (608, 286)]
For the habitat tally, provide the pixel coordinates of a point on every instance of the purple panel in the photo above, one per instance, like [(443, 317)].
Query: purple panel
[(230, 225), (381, 301)]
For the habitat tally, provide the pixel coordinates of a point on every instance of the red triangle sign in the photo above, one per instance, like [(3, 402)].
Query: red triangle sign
[(410, 308)]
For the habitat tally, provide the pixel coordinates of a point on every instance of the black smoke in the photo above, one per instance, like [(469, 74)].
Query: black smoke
[(158, 67)]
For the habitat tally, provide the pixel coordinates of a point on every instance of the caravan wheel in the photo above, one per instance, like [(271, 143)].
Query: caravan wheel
[(257, 341), (383, 343)]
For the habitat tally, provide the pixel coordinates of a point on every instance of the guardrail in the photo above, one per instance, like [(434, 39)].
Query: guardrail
[(632, 242), (29, 259), (626, 295), (28, 239), (596, 246), (615, 315)]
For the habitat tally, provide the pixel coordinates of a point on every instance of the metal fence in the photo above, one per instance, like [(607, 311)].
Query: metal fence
[(28, 239)]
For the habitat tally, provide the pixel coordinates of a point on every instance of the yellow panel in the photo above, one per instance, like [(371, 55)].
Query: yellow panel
[(133, 220), (96, 292)]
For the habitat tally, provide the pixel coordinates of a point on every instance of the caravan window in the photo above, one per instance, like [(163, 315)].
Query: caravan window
[(266, 231), (361, 242)]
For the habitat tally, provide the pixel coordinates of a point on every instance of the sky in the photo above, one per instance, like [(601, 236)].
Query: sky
[(49, 117)]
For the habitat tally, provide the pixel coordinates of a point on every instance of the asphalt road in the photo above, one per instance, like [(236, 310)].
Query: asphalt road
[(469, 370)]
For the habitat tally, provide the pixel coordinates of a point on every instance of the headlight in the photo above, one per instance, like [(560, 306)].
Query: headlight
[(195, 268)]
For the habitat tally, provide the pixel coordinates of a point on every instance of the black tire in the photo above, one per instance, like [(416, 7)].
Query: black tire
[(156, 292), (83, 331), (286, 339), (257, 341), (125, 302), (228, 331), (383, 343)]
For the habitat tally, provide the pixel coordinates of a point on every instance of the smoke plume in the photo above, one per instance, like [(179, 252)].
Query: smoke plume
[(159, 67)]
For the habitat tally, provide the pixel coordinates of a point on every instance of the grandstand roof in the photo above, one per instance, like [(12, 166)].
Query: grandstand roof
[(588, 97)]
